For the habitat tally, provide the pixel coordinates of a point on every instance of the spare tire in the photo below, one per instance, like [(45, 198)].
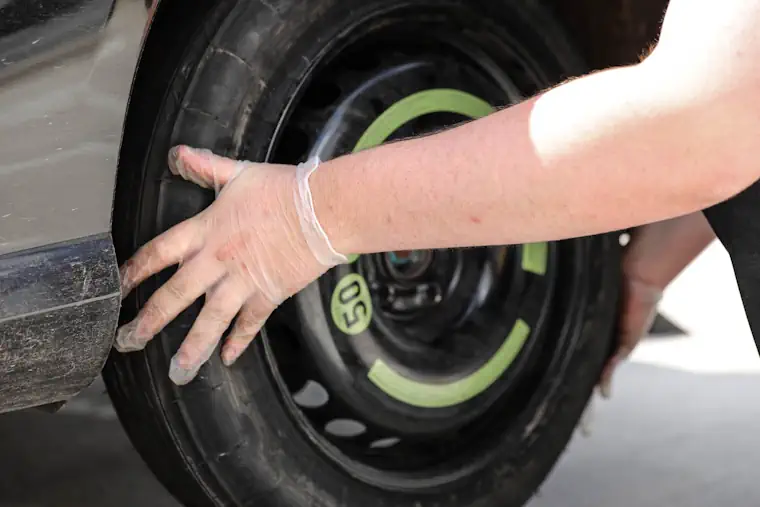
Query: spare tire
[(445, 378)]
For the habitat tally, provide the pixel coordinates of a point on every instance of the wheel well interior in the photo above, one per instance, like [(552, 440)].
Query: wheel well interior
[(611, 32)]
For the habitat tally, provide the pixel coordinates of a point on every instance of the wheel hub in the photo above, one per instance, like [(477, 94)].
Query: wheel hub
[(405, 282), (408, 264)]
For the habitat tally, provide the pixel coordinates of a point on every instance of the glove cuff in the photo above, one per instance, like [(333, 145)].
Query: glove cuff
[(315, 235)]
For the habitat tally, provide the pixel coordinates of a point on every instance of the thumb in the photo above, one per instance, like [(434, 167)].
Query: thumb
[(202, 167)]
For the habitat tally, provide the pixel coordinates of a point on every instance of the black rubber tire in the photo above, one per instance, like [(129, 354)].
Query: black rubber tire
[(226, 439)]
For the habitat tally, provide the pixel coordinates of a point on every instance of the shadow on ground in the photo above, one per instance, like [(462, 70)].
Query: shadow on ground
[(668, 437), (79, 457)]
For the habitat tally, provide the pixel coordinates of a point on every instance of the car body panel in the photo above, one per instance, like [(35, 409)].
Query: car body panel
[(57, 320), (61, 122), (66, 68)]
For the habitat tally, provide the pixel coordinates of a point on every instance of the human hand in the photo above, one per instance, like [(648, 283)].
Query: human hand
[(256, 245), (655, 256), (639, 308)]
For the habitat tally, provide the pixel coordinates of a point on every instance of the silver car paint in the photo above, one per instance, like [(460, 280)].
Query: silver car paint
[(61, 114)]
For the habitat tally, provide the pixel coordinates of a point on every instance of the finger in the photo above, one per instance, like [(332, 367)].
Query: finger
[(221, 306), (605, 384), (172, 247), (254, 314), (189, 283), (202, 167), (587, 419)]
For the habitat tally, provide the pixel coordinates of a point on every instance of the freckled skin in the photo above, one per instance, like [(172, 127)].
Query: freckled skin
[(583, 158)]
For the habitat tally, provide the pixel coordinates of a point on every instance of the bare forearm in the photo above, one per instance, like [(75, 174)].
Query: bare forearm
[(604, 152), (658, 252)]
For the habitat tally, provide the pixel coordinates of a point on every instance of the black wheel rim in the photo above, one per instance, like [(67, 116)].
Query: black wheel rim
[(423, 391)]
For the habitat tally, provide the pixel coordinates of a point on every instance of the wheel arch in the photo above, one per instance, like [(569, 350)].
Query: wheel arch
[(611, 32), (169, 30)]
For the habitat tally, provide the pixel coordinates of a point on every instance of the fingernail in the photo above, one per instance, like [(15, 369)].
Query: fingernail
[(605, 389), (181, 374), (127, 339), (230, 355), (217, 184), (188, 173), (175, 164), (587, 419)]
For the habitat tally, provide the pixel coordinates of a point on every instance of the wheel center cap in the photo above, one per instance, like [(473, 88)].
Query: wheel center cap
[(408, 265), (405, 282)]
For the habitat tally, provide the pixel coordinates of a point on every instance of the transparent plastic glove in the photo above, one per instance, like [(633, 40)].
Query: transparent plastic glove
[(256, 245), (639, 308)]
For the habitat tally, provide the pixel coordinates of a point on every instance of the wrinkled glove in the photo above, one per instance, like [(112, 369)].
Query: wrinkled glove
[(256, 245), (639, 308)]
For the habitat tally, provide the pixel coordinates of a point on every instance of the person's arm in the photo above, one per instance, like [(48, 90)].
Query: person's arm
[(659, 252), (611, 150)]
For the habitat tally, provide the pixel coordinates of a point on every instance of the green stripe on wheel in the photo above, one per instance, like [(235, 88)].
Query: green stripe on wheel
[(419, 104), (426, 395), (535, 258), (439, 100)]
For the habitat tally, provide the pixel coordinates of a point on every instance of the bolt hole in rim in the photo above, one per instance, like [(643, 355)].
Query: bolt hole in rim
[(396, 365)]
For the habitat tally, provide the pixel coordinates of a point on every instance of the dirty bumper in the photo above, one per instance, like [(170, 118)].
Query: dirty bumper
[(58, 314)]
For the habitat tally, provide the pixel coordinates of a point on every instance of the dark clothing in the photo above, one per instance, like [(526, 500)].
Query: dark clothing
[(736, 222)]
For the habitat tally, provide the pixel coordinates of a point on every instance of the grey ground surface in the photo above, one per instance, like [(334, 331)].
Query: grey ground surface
[(681, 429)]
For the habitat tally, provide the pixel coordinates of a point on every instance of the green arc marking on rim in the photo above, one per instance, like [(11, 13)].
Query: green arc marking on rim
[(427, 395), (440, 100), (534, 259)]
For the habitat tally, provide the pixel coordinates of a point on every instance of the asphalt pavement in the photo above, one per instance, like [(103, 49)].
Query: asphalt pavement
[(681, 429)]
